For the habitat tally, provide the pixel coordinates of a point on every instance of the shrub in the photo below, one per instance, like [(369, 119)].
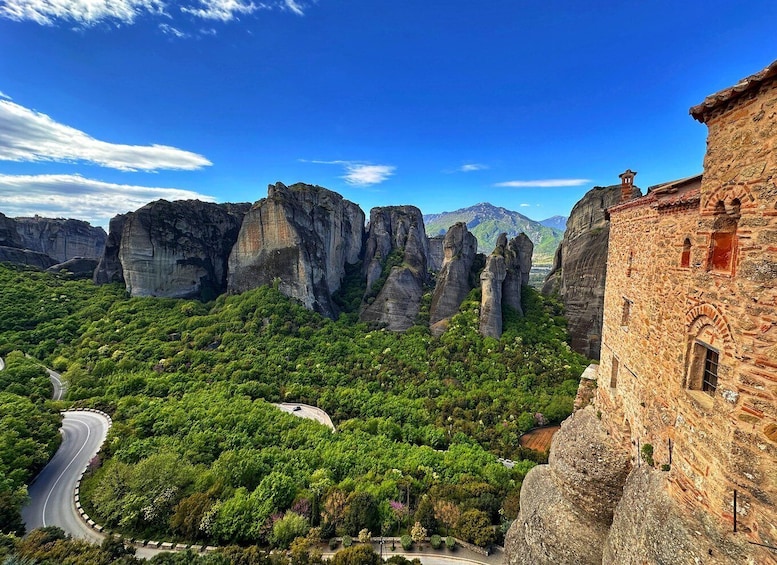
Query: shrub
[(333, 543), (647, 454), (450, 542), (436, 541), (407, 542), (359, 555), (475, 527), (347, 541), (418, 532), (365, 536), (665, 467)]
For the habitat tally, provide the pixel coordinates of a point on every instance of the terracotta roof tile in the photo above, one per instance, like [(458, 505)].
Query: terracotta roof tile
[(716, 100)]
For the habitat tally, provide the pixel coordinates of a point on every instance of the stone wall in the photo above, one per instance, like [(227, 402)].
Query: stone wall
[(659, 314)]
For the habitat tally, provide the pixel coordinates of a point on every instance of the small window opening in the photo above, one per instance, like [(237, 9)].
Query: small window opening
[(626, 314), (723, 241), (631, 260), (703, 373), (614, 373), (710, 377), (685, 259)]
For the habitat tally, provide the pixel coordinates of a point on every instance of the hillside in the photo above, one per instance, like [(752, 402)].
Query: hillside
[(487, 221), (558, 222)]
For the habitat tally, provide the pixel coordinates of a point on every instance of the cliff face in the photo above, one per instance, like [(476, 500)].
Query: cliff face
[(506, 270), (395, 229), (302, 236), (580, 267), (177, 249), (436, 253), (9, 237), (453, 284), (109, 267), (61, 239), (19, 256)]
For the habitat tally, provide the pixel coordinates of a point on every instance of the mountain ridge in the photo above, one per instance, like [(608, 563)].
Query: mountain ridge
[(487, 221)]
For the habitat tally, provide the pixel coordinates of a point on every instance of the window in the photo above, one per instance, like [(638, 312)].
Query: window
[(703, 375), (710, 377), (614, 373), (685, 259), (626, 314), (722, 251)]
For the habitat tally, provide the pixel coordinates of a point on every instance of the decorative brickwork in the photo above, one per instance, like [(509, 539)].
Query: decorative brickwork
[(694, 373)]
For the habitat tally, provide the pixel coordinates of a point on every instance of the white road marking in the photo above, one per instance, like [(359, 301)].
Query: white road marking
[(51, 491)]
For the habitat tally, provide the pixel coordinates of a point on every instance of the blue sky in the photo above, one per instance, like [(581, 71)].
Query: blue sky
[(108, 104)]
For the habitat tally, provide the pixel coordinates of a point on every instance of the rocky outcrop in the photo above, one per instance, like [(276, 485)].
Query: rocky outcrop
[(580, 266), (396, 235), (9, 237), (176, 249), (491, 280), (518, 254), (650, 527), (453, 280), (301, 237), (25, 257), (61, 239), (436, 253), (506, 271), (78, 267), (567, 506), (109, 267)]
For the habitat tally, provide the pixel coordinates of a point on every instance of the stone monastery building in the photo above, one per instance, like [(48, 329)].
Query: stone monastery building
[(689, 341)]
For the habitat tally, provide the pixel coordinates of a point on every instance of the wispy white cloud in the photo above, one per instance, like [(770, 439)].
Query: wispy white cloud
[(27, 135), (73, 196), (223, 10), (167, 29), (294, 7), (525, 205), (86, 13), (543, 183), (4, 95), (358, 173), (470, 167)]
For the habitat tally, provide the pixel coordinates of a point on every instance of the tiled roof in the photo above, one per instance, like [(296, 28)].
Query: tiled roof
[(716, 100)]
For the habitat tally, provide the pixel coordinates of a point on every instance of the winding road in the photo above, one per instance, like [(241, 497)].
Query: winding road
[(51, 493)]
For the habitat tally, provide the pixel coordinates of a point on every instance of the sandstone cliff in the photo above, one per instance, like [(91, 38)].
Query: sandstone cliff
[(453, 280), (506, 270), (436, 253), (9, 237), (19, 256), (396, 234), (301, 236), (61, 239), (176, 249), (78, 267), (580, 267)]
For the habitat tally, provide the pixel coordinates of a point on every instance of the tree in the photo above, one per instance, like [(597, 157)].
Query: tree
[(357, 555), (475, 527), (418, 532), (362, 512), (425, 514), (447, 513), (334, 507), (291, 526)]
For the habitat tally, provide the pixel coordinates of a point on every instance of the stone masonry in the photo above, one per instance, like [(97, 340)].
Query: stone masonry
[(689, 345)]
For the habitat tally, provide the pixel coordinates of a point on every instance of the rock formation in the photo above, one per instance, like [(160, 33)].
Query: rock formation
[(567, 506), (78, 267), (9, 237), (518, 255), (491, 280), (177, 249), (395, 232), (109, 267), (453, 279), (580, 266), (301, 236), (506, 270), (436, 253), (19, 256), (61, 239)]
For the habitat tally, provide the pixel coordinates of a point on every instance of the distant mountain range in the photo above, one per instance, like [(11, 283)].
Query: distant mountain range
[(487, 221)]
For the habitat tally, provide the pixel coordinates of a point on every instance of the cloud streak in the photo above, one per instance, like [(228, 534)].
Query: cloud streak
[(471, 167), (27, 135), (87, 13), (360, 174), (73, 196), (543, 183)]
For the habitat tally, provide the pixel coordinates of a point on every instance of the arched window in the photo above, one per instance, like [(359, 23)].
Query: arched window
[(685, 259)]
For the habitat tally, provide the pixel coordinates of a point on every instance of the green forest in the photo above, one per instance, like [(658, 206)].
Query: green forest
[(198, 452)]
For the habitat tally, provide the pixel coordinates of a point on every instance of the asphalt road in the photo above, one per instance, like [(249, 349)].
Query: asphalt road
[(60, 388), (51, 493), (307, 411)]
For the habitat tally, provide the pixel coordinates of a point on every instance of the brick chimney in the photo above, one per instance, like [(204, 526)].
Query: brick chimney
[(627, 184)]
